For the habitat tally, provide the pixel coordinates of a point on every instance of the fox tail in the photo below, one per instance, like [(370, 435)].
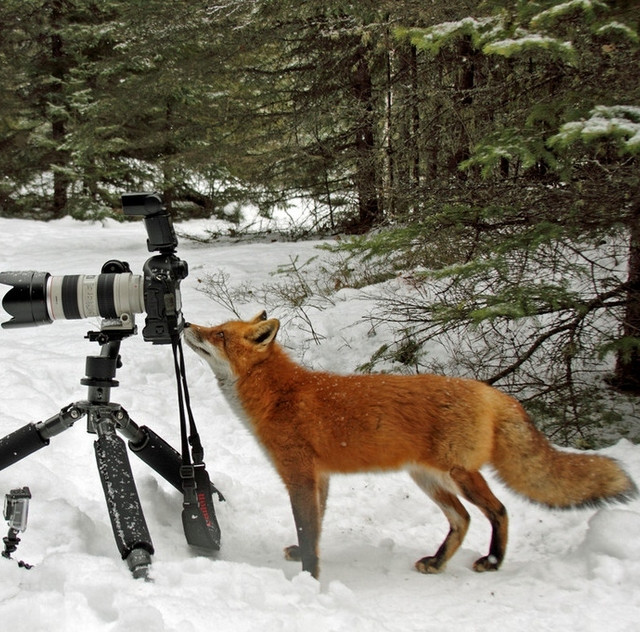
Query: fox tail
[(528, 463)]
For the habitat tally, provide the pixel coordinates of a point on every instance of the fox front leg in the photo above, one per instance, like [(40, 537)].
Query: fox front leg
[(306, 514)]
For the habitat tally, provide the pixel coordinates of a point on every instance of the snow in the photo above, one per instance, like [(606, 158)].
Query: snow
[(565, 8), (564, 570), (435, 36), (445, 29), (619, 28), (621, 122), (527, 41)]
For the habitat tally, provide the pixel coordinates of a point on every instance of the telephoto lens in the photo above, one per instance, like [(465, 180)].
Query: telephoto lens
[(40, 298)]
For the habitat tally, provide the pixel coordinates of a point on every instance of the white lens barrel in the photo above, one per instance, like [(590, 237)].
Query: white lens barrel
[(86, 295)]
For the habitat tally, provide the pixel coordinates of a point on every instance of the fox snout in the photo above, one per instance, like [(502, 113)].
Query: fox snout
[(231, 349), (194, 339), (200, 340)]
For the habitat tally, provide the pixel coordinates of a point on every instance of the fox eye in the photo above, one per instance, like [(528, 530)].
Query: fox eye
[(220, 335)]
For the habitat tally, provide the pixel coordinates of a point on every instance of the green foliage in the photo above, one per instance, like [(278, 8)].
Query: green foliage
[(528, 43), (126, 101), (376, 111), (618, 125), (537, 312), (434, 38), (586, 10), (522, 146)]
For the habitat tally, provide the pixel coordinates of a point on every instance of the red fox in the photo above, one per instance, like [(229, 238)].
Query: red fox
[(441, 429)]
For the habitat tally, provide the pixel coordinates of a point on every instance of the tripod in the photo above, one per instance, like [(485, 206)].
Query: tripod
[(104, 418)]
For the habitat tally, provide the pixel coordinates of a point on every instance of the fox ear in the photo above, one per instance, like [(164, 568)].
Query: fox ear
[(258, 317), (264, 333)]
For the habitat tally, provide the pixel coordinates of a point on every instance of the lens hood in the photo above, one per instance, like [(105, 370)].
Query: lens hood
[(26, 300)]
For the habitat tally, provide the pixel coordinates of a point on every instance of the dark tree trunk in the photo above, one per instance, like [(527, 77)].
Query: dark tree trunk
[(465, 84), (60, 180), (627, 374), (366, 177), (58, 127), (408, 155)]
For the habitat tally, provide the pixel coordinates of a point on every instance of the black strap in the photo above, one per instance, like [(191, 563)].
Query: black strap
[(201, 528)]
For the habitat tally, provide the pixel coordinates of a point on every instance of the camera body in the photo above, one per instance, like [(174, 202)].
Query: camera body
[(39, 298), (162, 299), (163, 272)]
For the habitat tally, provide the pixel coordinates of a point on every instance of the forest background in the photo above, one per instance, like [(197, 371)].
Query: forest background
[(482, 156)]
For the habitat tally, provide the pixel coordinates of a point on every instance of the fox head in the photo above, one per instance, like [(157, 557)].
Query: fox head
[(231, 349)]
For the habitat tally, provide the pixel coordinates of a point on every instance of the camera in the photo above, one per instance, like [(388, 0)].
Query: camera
[(38, 298), (16, 508)]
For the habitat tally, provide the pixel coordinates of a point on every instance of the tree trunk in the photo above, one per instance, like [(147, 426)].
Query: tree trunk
[(465, 84), (627, 372), (390, 177), (366, 177), (58, 127), (408, 117), (60, 180)]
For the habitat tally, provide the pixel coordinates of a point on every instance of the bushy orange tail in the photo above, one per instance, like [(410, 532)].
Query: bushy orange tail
[(531, 466)]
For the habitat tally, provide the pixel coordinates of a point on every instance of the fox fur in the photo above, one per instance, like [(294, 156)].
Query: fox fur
[(442, 430)]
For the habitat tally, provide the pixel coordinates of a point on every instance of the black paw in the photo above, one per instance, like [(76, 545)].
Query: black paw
[(429, 565), (292, 553), (488, 563)]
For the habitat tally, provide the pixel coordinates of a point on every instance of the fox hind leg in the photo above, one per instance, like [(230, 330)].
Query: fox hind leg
[(452, 508), (475, 489)]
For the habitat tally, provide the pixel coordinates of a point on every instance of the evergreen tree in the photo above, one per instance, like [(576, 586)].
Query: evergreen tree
[(107, 96), (49, 47), (525, 244), (307, 91), (325, 88)]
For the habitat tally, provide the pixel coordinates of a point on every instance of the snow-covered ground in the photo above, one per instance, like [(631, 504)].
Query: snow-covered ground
[(564, 570)]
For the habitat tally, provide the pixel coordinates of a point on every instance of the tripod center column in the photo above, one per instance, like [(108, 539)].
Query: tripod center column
[(100, 371)]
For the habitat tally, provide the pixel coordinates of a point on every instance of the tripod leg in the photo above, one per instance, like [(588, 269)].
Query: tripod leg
[(19, 444), (127, 520), (154, 450), (26, 440), (157, 454)]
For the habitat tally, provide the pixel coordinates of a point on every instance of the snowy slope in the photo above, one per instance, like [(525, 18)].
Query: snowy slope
[(563, 571)]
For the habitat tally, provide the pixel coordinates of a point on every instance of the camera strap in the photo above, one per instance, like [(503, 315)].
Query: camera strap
[(199, 521)]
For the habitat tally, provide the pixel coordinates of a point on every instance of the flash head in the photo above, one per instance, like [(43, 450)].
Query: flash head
[(142, 204), (157, 220)]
